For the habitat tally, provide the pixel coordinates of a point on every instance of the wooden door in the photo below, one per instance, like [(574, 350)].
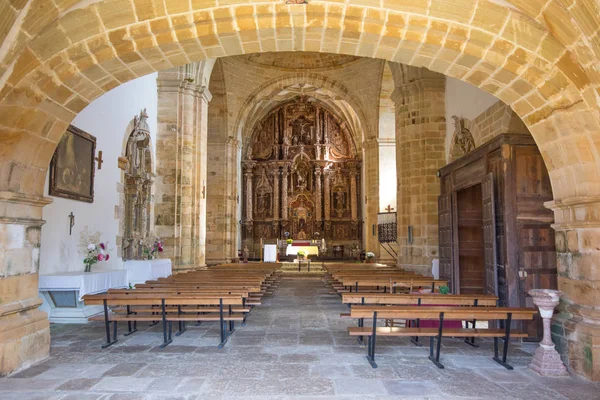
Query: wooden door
[(469, 240), (445, 235), (536, 242), (489, 235)]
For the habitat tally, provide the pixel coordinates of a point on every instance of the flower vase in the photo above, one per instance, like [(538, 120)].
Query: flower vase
[(546, 360), (88, 267)]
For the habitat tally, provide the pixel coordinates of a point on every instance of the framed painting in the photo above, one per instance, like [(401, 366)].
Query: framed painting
[(73, 166)]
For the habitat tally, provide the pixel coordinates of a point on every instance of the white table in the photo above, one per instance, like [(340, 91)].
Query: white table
[(270, 253), (293, 250), (140, 271), (62, 292)]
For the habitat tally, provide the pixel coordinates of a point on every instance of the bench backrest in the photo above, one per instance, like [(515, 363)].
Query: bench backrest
[(424, 298), (457, 313)]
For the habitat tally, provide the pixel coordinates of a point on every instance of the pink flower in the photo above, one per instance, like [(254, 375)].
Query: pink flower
[(160, 249), (102, 246), (107, 257), (100, 257)]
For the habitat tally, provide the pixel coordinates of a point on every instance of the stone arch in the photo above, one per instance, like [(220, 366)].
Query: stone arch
[(539, 57)]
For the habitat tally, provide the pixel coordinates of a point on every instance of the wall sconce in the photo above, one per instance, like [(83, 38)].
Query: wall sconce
[(410, 234), (203, 189)]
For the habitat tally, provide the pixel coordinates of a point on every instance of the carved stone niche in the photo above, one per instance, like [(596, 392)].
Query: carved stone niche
[(139, 179)]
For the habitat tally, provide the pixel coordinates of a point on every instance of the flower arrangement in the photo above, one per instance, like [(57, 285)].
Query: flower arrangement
[(289, 241), (95, 253), (302, 254), (93, 249), (370, 257), (444, 290), (152, 246)]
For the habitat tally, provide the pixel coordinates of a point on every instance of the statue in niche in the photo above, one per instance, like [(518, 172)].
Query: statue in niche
[(339, 202), (263, 196), (138, 189), (339, 145), (462, 136), (262, 147)]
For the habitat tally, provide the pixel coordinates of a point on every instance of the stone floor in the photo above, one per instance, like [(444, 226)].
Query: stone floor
[(293, 346)]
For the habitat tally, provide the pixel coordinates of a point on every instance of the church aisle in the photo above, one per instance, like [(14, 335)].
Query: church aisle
[(294, 346)]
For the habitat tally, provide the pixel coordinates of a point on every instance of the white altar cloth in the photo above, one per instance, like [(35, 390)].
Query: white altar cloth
[(270, 253), (84, 282), (293, 250), (140, 271)]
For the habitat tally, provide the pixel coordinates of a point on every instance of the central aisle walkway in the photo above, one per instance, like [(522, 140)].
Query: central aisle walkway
[(294, 346)]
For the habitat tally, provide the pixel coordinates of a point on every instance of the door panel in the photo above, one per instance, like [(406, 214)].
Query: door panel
[(489, 235), (445, 236)]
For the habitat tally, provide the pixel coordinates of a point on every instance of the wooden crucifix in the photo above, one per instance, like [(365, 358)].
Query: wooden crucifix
[(71, 222), (389, 208), (99, 159)]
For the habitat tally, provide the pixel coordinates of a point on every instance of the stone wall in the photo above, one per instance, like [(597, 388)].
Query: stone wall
[(420, 136)]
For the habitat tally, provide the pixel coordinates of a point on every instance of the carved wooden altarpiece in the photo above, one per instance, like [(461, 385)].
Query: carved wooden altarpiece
[(302, 176)]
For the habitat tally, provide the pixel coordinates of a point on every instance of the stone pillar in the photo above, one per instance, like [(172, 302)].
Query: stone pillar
[(275, 172), (371, 184), (24, 329), (248, 175), (180, 208), (576, 326), (419, 100), (318, 194)]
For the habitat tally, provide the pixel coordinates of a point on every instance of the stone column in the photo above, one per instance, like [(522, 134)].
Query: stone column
[(419, 100), (318, 194), (576, 326), (371, 184), (24, 329), (180, 208), (248, 175)]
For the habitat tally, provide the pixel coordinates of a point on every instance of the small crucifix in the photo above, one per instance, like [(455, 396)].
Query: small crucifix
[(389, 208), (99, 159), (71, 222)]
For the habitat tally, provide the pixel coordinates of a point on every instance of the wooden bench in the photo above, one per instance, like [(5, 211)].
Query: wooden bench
[(507, 315), (419, 299), (164, 301)]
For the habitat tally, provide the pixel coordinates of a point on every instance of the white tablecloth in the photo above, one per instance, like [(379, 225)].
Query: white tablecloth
[(293, 250), (270, 253), (147, 270), (84, 282)]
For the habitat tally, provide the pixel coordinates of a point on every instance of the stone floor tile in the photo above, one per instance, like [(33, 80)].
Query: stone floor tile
[(122, 384), (78, 384), (32, 371), (125, 369), (358, 387), (330, 371), (412, 388)]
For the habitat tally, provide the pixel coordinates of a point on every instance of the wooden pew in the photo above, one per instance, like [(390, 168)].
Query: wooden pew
[(440, 313), (164, 300)]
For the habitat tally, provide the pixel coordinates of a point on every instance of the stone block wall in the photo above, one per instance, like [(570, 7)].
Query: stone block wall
[(420, 147)]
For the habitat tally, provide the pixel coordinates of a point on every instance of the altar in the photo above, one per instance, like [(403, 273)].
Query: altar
[(62, 293), (292, 250), (140, 271)]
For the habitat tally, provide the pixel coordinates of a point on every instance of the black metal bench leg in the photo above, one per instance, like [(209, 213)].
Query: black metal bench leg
[(231, 322), (371, 344), (109, 340), (181, 323), (471, 341), (222, 324), (166, 335), (245, 314), (415, 340), (506, 338), (436, 359), (130, 323)]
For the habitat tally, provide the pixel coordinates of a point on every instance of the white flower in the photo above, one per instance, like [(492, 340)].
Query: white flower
[(91, 247)]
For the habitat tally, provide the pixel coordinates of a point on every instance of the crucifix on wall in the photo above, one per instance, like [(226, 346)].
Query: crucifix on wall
[(99, 159), (389, 208), (71, 222)]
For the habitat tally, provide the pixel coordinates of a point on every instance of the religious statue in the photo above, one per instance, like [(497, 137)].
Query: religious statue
[(462, 136), (302, 235), (245, 254)]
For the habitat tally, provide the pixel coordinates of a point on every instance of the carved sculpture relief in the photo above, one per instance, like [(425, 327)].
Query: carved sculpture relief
[(138, 188), (462, 136), (301, 161)]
